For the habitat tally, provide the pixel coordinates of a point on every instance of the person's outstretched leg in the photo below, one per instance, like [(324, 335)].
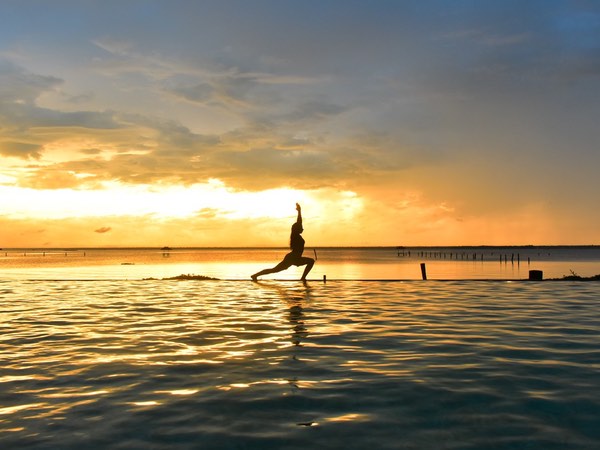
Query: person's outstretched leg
[(278, 268), (263, 272), (309, 265)]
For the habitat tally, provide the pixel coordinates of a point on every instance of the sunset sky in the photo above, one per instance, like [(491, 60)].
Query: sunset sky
[(201, 123)]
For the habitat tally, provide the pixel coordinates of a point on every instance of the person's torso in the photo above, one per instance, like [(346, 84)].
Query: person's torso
[(297, 244)]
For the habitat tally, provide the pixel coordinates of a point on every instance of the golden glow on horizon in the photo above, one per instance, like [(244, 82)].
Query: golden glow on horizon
[(207, 200), (213, 214)]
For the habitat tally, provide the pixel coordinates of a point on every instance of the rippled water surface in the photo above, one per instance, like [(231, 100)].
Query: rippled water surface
[(279, 364)]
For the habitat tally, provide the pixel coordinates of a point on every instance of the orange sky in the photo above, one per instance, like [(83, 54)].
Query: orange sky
[(186, 124)]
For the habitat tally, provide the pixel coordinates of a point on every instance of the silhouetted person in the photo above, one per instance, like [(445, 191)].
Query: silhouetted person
[(293, 258)]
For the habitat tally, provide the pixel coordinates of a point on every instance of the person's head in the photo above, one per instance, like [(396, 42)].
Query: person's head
[(297, 228)]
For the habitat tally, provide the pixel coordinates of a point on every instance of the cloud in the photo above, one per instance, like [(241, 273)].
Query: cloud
[(22, 87), (313, 111), (246, 159), (228, 88), (198, 93), (90, 151), (463, 103), (103, 230), (20, 150), (28, 128), (138, 148), (50, 179), (208, 213)]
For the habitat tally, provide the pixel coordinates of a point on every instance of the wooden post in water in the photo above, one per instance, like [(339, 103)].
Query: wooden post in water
[(536, 275), (423, 271)]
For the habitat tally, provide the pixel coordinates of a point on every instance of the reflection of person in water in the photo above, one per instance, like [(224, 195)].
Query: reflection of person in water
[(293, 258), (299, 331)]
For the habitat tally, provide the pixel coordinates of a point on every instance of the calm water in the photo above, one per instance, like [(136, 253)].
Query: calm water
[(154, 364), (336, 263)]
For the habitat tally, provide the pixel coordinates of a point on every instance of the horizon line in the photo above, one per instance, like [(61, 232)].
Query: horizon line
[(258, 247)]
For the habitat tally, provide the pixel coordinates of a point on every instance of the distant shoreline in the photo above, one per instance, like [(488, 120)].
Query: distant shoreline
[(341, 247)]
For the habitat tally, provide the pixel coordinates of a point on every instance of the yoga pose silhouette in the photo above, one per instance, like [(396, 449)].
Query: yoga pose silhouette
[(293, 258)]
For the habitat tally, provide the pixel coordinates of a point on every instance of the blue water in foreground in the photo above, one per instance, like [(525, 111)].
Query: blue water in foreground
[(155, 364)]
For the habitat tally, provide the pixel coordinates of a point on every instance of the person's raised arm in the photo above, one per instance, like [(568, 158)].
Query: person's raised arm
[(299, 220)]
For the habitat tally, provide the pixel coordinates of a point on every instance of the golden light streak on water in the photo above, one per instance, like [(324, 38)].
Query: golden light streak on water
[(181, 392), (14, 409), (352, 417)]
